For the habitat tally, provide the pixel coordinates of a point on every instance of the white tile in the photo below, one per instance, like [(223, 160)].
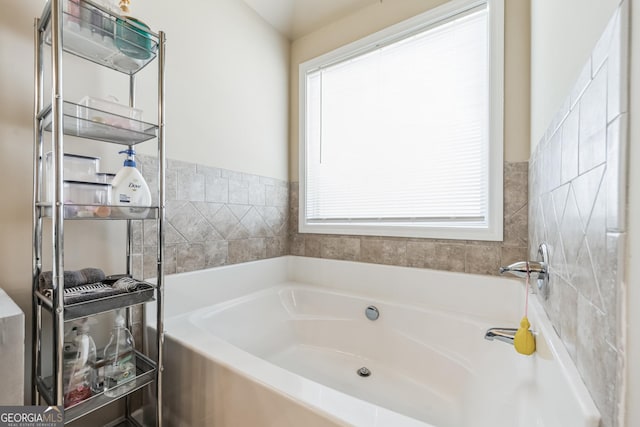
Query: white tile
[(586, 189), (616, 175), (570, 146), (593, 123)]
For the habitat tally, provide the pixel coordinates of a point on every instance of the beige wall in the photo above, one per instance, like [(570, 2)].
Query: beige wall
[(563, 34), (227, 85), (227, 106), (384, 14)]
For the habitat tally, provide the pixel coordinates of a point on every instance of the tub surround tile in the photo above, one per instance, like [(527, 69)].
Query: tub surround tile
[(346, 248), (384, 251), (515, 194), (570, 129), (515, 228), (418, 252), (593, 123), (567, 311), (616, 174), (277, 194), (247, 250), (190, 185), (611, 283), (571, 231), (257, 194), (224, 221), (137, 269), (587, 296), (602, 381), (150, 257), (313, 246), (207, 209), (215, 217), (480, 257), (136, 229), (238, 192), (276, 246), (216, 189), (448, 257), (208, 171), (239, 210), (255, 225), (238, 232), (586, 189), (216, 253), (297, 245), (509, 255)]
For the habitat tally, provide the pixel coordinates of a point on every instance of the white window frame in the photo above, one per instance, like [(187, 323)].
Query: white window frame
[(493, 229)]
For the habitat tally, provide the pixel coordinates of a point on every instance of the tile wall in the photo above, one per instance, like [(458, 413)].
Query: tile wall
[(480, 257), (214, 217), (577, 187)]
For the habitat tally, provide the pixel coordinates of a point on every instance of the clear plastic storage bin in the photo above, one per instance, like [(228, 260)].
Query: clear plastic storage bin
[(110, 113), (86, 193), (105, 178), (76, 168), (86, 199)]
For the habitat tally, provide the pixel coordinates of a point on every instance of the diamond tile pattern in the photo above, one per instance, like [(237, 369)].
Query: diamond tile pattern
[(214, 217), (582, 220)]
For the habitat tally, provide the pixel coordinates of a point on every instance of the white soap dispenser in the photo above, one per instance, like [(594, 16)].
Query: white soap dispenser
[(129, 187)]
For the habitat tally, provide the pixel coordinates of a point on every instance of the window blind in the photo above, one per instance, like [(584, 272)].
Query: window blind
[(400, 133)]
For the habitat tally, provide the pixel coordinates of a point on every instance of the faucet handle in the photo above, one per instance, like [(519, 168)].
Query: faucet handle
[(539, 268)]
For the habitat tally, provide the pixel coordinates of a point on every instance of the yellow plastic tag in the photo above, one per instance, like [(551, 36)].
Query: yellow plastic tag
[(524, 341)]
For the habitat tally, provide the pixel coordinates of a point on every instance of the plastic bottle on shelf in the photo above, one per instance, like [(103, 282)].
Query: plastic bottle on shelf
[(69, 355), (108, 22), (130, 189), (80, 368), (132, 37), (120, 361)]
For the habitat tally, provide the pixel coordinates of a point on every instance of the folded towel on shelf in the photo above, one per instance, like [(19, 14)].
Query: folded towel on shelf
[(71, 278)]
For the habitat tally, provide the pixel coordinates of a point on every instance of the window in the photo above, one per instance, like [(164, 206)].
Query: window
[(401, 132)]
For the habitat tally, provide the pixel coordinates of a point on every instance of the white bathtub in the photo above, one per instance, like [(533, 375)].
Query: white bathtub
[(278, 343)]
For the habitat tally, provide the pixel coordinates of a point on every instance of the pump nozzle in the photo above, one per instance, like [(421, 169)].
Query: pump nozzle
[(130, 161)]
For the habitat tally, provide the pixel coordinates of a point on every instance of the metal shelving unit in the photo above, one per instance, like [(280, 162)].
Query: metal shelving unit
[(65, 33)]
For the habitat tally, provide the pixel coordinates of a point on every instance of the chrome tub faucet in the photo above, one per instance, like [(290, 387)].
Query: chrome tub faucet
[(501, 334), (523, 269)]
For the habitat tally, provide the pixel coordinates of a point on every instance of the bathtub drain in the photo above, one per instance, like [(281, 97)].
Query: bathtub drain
[(364, 372)]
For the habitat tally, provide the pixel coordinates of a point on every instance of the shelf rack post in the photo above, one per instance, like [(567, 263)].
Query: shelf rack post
[(160, 228), (58, 208), (36, 320)]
